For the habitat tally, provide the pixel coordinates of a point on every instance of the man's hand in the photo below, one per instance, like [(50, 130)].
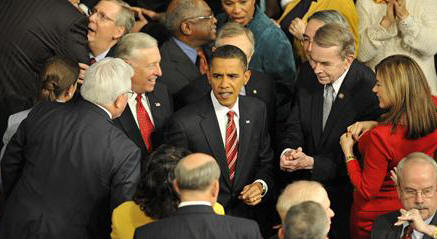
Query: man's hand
[(415, 219), (141, 22), (251, 194), (295, 159), (83, 67)]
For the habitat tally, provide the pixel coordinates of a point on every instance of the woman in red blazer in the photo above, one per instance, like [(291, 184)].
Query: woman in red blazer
[(408, 126)]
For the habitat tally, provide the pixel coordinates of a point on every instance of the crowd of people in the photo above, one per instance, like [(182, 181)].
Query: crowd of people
[(210, 119)]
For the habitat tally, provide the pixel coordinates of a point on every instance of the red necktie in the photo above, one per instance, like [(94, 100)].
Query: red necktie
[(92, 60), (201, 61), (231, 144), (145, 124), (408, 232)]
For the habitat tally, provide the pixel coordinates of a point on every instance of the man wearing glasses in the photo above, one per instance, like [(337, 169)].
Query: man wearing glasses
[(416, 185), (192, 25)]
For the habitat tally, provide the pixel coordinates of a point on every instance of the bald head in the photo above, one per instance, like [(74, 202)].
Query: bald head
[(302, 191), (196, 172)]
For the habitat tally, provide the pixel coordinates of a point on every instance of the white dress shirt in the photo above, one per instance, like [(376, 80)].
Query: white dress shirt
[(192, 203), (132, 102), (101, 56)]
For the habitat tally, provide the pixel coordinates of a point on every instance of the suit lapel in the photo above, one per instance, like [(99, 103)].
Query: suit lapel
[(211, 131), (433, 222), (183, 64), (156, 109), (246, 128), (317, 113), (129, 125)]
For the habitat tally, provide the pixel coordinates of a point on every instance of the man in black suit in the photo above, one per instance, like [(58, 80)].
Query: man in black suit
[(333, 91), (68, 166), (231, 128), (192, 24), (141, 52), (197, 183), (32, 32), (416, 185)]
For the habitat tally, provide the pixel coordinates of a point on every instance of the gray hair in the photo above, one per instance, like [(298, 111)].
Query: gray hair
[(297, 192), (177, 12), (125, 17), (127, 47), (306, 220), (197, 179), (232, 29), (417, 157), (332, 34), (106, 80), (329, 16)]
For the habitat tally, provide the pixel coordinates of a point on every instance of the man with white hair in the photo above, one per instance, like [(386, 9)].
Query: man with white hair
[(68, 165)]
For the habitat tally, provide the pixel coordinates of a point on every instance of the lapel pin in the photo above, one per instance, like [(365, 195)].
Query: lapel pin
[(247, 121), (341, 96), (157, 104), (254, 92)]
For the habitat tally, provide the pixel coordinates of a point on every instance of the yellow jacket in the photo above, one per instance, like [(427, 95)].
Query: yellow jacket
[(128, 216), (344, 7)]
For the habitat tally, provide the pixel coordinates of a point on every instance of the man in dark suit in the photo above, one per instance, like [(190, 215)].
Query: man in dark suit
[(197, 183), (192, 24), (32, 32), (68, 166), (150, 99), (231, 128), (333, 91), (416, 185)]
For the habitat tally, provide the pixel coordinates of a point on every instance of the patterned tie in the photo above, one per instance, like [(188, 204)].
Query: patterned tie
[(328, 99), (231, 144), (201, 61), (145, 124), (92, 61), (408, 232)]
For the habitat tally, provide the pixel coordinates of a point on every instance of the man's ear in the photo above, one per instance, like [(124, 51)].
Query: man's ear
[(186, 29), (349, 59), (176, 187), (247, 75), (119, 32), (119, 102)]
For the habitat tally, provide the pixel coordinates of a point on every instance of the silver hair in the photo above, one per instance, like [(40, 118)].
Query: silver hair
[(197, 179), (329, 16), (106, 80), (307, 220), (129, 44), (125, 17), (415, 157), (232, 29), (332, 34)]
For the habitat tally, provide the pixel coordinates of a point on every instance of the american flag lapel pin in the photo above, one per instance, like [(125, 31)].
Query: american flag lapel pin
[(157, 104)]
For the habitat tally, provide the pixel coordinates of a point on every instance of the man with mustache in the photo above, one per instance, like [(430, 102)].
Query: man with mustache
[(148, 104), (416, 185)]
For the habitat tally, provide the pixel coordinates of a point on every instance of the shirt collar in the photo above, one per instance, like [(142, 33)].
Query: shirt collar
[(337, 84), (103, 108), (192, 203), (101, 56), (223, 110), (188, 50)]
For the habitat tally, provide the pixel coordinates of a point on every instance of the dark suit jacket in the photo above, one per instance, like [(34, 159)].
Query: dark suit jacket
[(161, 111), (355, 102), (383, 227), (32, 32), (65, 170), (177, 69), (196, 127), (199, 221)]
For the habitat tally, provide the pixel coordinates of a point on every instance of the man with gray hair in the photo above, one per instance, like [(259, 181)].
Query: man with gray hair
[(306, 220), (416, 185), (68, 166), (149, 104), (333, 91), (197, 183)]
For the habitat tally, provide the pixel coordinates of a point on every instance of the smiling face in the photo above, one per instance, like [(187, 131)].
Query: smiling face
[(102, 30), (226, 78), (239, 11), (381, 92), (147, 69)]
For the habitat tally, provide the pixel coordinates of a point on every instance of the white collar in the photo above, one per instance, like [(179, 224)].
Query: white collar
[(192, 203), (223, 110), (103, 108), (101, 56), (337, 84)]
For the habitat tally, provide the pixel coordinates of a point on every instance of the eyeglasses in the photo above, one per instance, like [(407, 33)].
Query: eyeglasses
[(199, 18), (426, 193), (101, 16)]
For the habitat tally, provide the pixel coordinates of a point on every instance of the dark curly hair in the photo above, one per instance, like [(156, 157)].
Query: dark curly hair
[(155, 193)]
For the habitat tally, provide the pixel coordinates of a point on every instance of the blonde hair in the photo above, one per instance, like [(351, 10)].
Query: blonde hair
[(410, 96), (332, 34)]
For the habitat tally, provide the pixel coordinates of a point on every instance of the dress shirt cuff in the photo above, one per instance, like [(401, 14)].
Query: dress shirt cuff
[(265, 187)]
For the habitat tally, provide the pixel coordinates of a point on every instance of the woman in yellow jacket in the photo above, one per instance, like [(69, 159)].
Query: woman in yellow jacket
[(155, 197)]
